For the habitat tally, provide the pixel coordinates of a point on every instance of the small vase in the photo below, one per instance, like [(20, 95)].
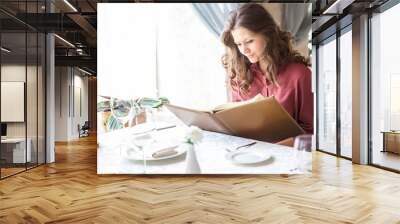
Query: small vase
[(192, 164)]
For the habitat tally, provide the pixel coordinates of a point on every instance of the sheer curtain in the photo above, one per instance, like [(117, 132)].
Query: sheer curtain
[(189, 59), (159, 50), (126, 50)]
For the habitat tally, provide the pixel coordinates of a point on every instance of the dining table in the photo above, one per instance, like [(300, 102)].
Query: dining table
[(214, 153)]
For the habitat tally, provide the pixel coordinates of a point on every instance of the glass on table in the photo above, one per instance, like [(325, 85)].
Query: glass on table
[(143, 142), (144, 137), (145, 118), (123, 110), (303, 147)]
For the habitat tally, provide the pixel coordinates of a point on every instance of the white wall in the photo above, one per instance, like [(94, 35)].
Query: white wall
[(13, 73), (61, 103), (16, 73), (70, 82)]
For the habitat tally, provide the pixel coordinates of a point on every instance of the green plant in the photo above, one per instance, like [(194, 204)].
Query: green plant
[(111, 123), (103, 106)]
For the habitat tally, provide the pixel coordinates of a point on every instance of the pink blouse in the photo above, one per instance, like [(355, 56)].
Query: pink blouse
[(294, 92)]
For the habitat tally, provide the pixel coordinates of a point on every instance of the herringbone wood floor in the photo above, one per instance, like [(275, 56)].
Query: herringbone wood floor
[(70, 191)]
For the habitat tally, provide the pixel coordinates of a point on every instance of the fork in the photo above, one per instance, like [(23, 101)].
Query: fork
[(241, 146)]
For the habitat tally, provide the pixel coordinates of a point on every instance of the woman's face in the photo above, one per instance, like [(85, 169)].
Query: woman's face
[(250, 44)]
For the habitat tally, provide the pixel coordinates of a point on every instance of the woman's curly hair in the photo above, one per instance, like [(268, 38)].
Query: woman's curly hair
[(278, 52)]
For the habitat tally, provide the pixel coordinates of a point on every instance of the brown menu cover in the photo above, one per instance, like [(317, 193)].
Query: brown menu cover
[(262, 119)]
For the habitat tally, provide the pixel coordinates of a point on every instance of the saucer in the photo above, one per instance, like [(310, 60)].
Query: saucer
[(247, 156)]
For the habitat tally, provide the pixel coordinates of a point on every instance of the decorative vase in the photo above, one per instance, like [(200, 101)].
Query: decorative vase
[(192, 164)]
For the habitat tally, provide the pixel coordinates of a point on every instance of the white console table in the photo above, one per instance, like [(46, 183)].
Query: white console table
[(18, 150)]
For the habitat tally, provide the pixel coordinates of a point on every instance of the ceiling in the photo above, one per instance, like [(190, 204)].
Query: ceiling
[(332, 15), (76, 22)]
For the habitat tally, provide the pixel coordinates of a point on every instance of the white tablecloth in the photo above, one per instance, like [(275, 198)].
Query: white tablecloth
[(211, 154)]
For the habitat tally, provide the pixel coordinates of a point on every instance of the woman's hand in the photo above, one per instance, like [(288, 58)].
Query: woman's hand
[(287, 142)]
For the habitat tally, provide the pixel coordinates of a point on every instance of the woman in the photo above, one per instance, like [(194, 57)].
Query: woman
[(260, 59)]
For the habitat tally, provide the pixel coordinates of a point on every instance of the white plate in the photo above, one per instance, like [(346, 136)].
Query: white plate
[(136, 154), (247, 156)]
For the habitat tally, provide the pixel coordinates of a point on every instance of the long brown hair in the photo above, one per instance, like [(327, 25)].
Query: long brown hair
[(278, 52)]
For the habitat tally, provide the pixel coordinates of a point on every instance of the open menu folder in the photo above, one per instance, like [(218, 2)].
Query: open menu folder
[(259, 118)]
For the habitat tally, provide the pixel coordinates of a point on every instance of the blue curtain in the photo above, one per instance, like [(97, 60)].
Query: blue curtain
[(214, 15), (296, 18)]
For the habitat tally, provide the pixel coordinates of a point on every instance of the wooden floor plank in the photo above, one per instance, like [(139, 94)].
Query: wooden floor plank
[(70, 191)]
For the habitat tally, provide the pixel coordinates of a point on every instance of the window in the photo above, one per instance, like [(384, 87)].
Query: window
[(346, 93), (385, 84), (327, 96), (159, 50)]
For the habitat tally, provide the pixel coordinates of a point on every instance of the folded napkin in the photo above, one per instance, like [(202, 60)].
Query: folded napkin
[(165, 152)]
